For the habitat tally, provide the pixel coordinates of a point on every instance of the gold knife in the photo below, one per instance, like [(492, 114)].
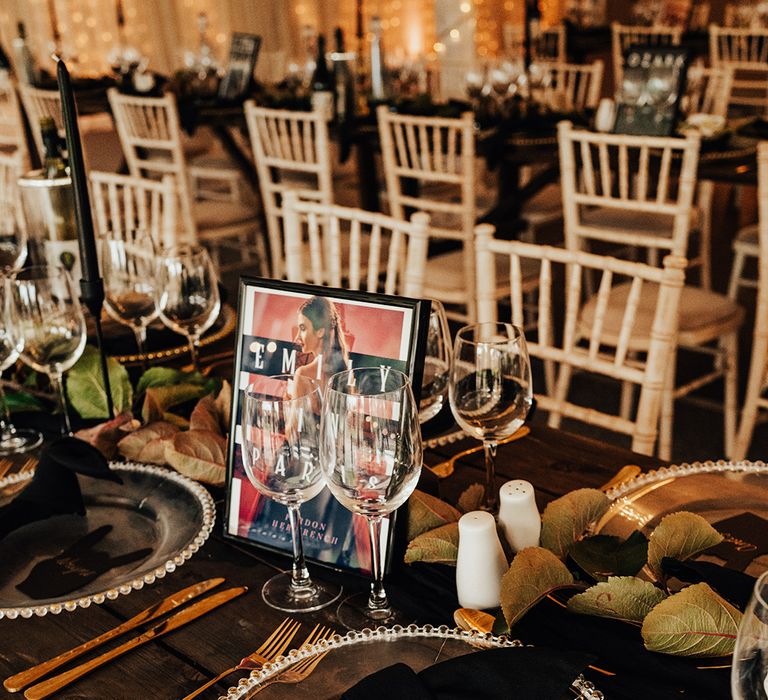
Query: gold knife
[(46, 688), (22, 679)]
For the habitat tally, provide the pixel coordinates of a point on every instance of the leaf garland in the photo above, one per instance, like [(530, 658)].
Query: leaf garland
[(680, 536), (620, 597)]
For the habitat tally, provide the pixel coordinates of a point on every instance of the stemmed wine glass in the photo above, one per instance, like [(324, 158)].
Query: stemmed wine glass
[(47, 319), (371, 458), (437, 364), (13, 241), (749, 669), (12, 440), (281, 444), (188, 294), (129, 265), (490, 389)]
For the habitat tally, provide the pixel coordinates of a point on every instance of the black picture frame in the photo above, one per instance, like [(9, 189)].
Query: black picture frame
[(264, 311), (243, 54), (642, 109)]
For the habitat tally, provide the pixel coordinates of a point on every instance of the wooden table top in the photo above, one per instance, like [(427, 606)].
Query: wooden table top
[(555, 462)]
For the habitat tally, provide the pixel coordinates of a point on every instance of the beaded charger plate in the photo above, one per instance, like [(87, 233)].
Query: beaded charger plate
[(732, 496), (355, 655), (132, 534)]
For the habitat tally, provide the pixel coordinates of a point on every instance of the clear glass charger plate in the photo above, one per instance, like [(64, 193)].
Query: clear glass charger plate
[(716, 491), (355, 655), (155, 512)]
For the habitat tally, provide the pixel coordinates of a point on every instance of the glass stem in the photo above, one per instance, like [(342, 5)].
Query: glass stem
[(299, 573), (489, 497), (377, 601), (193, 352), (141, 343), (58, 382), (6, 427)]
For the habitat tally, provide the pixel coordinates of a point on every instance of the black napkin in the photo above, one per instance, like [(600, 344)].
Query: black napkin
[(54, 489), (494, 674)]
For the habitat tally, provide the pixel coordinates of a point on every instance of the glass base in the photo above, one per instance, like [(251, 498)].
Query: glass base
[(19, 441), (354, 614), (279, 594)]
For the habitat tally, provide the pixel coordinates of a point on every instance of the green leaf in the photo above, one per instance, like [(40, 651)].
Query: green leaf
[(602, 556), (198, 454), (620, 597), (680, 536), (159, 399), (471, 498), (565, 519), (694, 622), (85, 386), (500, 625), (535, 572), (157, 376), (438, 546), (21, 401), (426, 513)]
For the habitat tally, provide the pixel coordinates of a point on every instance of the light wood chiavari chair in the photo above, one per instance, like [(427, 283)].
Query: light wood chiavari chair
[(745, 50)]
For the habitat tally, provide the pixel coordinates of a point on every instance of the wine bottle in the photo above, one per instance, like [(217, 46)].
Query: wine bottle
[(322, 83), (25, 63), (344, 83), (54, 166)]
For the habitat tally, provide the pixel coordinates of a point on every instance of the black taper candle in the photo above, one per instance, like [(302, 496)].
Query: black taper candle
[(91, 284)]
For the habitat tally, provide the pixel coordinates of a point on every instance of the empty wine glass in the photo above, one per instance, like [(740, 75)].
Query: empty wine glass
[(749, 669), (12, 440), (129, 265), (188, 294), (370, 453), (490, 388), (13, 240), (47, 319), (437, 364), (281, 446)]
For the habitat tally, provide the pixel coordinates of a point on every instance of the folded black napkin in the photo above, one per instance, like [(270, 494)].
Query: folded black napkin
[(494, 674), (54, 489)]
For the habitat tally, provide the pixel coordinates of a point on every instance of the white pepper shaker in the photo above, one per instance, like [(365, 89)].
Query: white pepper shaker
[(480, 563), (518, 516)]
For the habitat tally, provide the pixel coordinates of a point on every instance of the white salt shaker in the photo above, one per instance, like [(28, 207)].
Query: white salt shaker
[(480, 563), (518, 516)]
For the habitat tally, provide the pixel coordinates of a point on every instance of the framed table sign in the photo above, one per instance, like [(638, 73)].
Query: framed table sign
[(285, 328), (648, 99), (243, 53)]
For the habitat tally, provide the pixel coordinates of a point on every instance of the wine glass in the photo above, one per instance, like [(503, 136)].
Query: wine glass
[(12, 440), (437, 364), (128, 265), (13, 239), (370, 452), (188, 294), (749, 669), (281, 445), (490, 388), (47, 319)]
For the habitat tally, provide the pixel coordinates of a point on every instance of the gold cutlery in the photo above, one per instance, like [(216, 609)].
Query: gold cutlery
[(627, 472), (299, 671), (46, 688), (445, 469), (272, 647), (22, 679)]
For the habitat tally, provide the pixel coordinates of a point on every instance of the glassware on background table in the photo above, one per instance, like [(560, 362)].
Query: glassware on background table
[(188, 293), (46, 317), (371, 458), (13, 242), (749, 669), (490, 389), (129, 268), (12, 440), (281, 452), (437, 364)]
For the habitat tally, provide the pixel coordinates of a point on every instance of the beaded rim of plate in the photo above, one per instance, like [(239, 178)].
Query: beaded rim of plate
[(586, 689), (147, 577)]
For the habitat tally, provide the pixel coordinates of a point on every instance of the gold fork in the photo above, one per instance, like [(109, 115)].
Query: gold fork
[(272, 647), (445, 469), (299, 671)]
